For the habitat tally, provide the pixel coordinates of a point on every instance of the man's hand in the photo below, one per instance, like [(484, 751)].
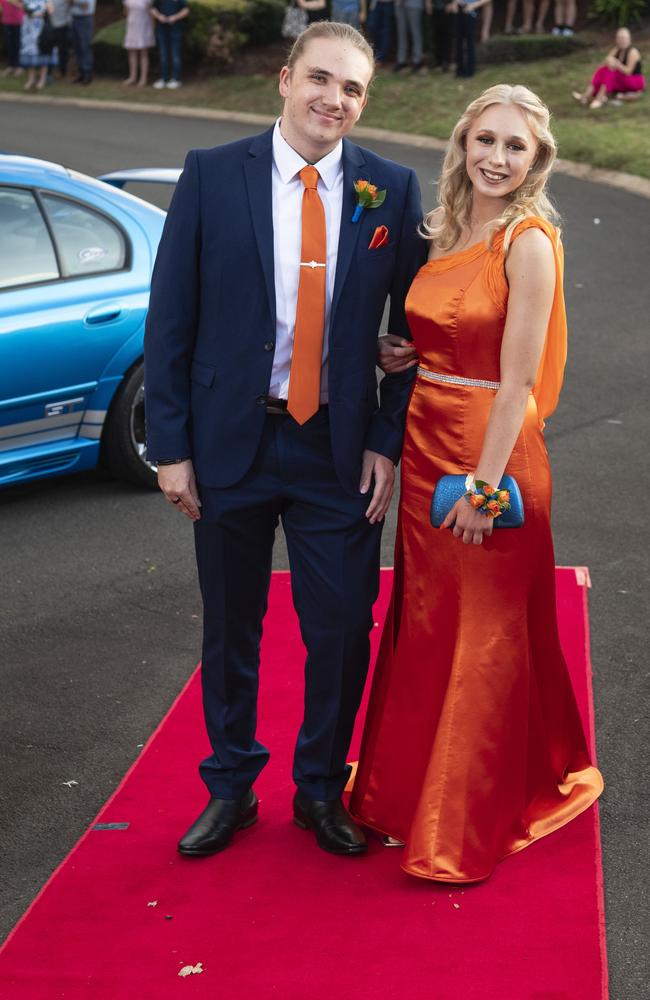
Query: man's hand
[(382, 470), (178, 483), (395, 354)]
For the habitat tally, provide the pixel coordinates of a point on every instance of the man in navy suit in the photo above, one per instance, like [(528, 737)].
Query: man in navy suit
[(234, 453)]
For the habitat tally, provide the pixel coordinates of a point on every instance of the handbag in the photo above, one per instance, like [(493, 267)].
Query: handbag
[(449, 489), (295, 21), (47, 37)]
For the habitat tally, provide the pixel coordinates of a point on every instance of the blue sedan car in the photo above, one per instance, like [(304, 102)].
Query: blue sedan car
[(76, 256)]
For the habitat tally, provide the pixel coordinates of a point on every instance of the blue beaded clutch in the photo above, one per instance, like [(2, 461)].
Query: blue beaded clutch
[(449, 489)]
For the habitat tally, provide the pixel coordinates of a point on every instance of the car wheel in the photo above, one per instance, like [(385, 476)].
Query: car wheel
[(124, 447)]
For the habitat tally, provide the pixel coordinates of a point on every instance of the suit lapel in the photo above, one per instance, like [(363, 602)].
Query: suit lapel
[(353, 160), (258, 170)]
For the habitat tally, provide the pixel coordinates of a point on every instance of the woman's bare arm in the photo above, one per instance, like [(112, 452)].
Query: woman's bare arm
[(530, 269)]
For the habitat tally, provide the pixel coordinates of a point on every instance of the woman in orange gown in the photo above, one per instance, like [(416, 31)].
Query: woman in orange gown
[(473, 746)]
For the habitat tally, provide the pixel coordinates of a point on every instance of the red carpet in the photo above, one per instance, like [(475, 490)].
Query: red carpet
[(274, 918)]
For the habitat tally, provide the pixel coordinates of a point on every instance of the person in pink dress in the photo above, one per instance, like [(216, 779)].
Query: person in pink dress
[(138, 39), (621, 75)]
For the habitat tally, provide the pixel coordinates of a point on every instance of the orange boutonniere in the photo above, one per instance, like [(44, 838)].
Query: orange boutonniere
[(367, 197)]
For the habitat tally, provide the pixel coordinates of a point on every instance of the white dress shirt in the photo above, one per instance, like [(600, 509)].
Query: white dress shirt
[(287, 190)]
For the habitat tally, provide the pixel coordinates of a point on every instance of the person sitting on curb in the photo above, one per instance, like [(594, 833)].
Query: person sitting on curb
[(620, 75)]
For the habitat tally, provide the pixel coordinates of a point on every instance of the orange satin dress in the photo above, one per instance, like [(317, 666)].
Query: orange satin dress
[(473, 747)]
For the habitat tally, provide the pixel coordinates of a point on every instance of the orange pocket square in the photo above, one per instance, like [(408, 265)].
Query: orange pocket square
[(379, 238)]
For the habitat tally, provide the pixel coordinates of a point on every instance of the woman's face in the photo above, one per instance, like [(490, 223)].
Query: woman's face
[(623, 38), (500, 149)]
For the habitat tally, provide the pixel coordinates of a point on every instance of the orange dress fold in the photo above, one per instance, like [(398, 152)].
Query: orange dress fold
[(473, 746)]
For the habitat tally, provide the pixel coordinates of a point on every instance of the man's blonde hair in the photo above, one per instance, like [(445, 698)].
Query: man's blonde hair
[(330, 29)]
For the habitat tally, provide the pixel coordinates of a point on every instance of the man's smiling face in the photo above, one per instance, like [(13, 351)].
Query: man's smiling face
[(324, 95)]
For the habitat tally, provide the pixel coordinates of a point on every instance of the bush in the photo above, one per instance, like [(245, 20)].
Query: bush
[(527, 48), (623, 12), (109, 56), (215, 31)]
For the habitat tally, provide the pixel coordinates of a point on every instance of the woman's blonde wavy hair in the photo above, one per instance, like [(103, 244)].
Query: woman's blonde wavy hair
[(455, 188)]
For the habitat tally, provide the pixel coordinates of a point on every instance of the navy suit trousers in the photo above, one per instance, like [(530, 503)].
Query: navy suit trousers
[(334, 561)]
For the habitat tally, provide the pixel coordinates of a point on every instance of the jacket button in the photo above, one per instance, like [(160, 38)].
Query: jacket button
[(269, 345), (261, 400)]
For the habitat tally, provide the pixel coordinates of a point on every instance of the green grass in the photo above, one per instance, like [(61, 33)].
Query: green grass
[(612, 138)]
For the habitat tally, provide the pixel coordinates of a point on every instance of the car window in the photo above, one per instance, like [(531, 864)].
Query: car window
[(87, 242), (26, 251)]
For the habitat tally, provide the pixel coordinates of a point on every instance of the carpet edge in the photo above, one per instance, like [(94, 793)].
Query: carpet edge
[(89, 829), (598, 856)]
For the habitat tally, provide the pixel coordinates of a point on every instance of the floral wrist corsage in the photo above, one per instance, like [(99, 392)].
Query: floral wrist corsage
[(487, 499)]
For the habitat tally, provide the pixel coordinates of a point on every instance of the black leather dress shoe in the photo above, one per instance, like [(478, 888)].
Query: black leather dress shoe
[(217, 825), (335, 829)]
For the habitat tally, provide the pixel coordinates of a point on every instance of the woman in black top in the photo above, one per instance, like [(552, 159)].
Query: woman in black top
[(621, 75)]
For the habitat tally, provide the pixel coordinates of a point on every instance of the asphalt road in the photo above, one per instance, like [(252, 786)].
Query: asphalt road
[(100, 611)]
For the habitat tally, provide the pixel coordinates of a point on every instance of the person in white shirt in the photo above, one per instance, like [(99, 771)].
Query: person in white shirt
[(277, 258)]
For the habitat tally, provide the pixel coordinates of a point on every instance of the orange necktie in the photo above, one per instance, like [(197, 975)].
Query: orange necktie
[(306, 359)]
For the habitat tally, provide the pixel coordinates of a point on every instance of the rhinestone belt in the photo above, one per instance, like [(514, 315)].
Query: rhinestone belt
[(482, 383)]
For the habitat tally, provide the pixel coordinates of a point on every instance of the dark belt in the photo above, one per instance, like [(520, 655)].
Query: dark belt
[(276, 407)]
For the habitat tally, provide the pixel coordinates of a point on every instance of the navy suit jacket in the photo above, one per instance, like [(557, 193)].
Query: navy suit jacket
[(211, 327)]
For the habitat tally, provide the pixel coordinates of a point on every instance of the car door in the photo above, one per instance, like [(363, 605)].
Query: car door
[(73, 288)]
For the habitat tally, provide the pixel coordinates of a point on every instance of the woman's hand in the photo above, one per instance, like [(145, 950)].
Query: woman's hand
[(469, 524), (395, 354)]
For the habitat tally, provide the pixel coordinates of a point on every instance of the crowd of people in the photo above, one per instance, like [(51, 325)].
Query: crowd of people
[(39, 35), (399, 25)]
